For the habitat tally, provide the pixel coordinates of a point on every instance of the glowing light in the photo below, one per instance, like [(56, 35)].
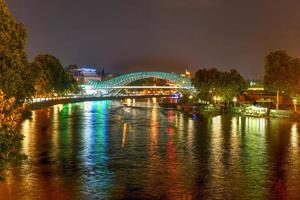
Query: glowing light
[(88, 90), (176, 95), (128, 102), (58, 108), (294, 135), (295, 104), (154, 126), (124, 134), (256, 89), (87, 105), (26, 131), (154, 100), (88, 70)]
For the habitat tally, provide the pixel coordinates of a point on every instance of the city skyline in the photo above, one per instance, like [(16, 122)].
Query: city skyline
[(136, 35)]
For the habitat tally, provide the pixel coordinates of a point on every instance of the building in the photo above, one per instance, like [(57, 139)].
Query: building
[(83, 75), (256, 94), (187, 74)]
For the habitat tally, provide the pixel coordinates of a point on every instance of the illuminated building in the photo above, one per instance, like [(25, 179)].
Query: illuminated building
[(83, 75), (186, 74), (256, 94)]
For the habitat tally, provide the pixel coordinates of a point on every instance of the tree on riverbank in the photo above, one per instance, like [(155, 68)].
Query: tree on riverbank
[(51, 76), (212, 82), (10, 137), (15, 86), (15, 75), (282, 73), (17, 83)]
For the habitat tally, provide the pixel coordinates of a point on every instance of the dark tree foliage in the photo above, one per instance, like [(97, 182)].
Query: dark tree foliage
[(282, 73), (71, 67), (17, 78), (212, 82), (15, 75), (51, 76), (16, 86), (10, 137)]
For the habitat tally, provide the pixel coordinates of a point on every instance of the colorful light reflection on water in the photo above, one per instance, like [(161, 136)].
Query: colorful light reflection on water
[(100, 150)]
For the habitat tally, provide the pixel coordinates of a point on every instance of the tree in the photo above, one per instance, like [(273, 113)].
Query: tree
[(10, 137), (205, 82), (282, 74), (15, 86), (231, 85), (212, 82), (15, 75), (71, 67), (51, 76)]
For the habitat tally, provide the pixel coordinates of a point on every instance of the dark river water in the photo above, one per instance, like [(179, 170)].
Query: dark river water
[(100, 150)]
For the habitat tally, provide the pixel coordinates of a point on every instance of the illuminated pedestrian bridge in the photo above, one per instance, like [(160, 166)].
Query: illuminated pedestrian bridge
[(110, 89), (123, 81)]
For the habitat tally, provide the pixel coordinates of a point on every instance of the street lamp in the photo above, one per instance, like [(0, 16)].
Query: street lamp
[(295, 104), (234, 101), (215, 99)]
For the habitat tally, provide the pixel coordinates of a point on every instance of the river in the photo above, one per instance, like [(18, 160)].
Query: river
[(101, 150)]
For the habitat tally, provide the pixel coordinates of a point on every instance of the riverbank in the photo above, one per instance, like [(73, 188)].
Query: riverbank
[(251, 111), (52, 102), (196, 109)]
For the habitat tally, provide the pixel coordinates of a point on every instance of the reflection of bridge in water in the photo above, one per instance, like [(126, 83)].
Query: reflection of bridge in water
[(110, 89)]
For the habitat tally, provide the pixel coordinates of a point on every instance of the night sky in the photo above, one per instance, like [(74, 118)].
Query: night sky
[(164, 35)]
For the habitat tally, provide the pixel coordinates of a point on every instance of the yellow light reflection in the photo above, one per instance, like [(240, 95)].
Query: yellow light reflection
[(217, 166), (257, 125), (294, 136), (294, 163), (128, 102), (216, 125), (59, 107), (190, 128), (154, 100), (55, 133), (154, 124), (234, 125), (26, 126), (148, 102), (179, 123), (235, 142), (124, 134)]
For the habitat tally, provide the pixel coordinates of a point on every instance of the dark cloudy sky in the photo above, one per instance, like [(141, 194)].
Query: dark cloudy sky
[(165, 35)]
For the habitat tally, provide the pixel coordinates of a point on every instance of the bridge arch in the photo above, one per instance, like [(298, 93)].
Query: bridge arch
[(123, 80)]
